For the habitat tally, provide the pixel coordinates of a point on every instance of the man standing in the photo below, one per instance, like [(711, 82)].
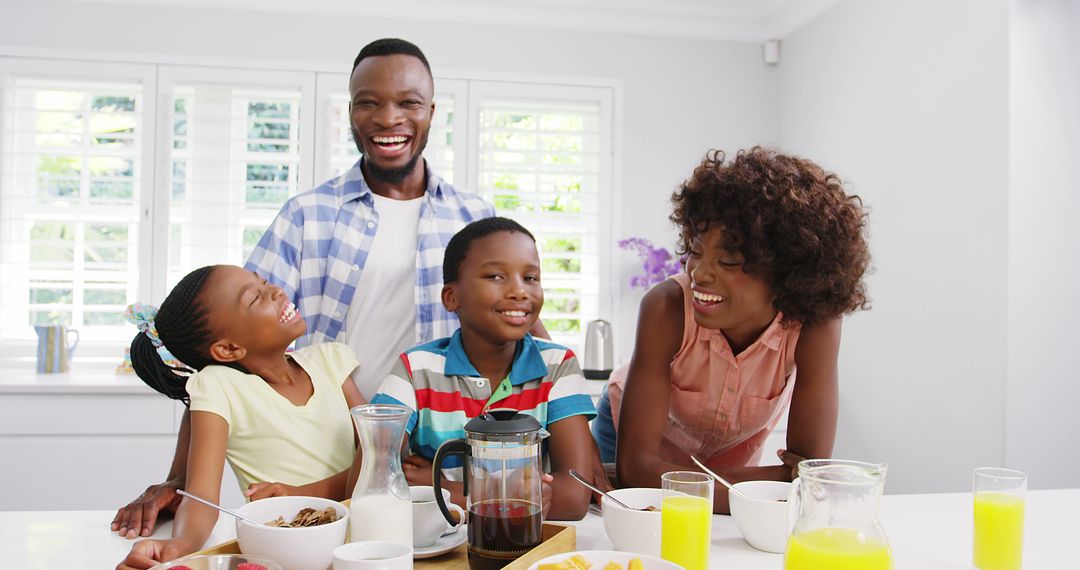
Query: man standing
[(360, 255)]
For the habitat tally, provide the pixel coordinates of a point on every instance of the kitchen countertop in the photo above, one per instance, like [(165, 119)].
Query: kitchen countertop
[(927, 532), (93, 380)]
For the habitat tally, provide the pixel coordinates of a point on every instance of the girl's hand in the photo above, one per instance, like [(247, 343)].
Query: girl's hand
[(148, 553), (546, 494), (417, 469), (256, 491)]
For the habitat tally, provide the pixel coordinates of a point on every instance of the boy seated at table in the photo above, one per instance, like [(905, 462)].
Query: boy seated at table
[(491, 272)]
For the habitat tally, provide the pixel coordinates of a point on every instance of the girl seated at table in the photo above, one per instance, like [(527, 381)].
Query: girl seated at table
[(275, 416), (775, 255)]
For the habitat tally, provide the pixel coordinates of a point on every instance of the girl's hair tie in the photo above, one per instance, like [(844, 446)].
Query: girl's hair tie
[(142, 315)]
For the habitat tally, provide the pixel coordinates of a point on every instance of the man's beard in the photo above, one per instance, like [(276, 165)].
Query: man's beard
[(388, 175)]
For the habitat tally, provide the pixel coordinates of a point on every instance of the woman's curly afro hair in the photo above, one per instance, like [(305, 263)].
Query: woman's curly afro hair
[(791, 221)]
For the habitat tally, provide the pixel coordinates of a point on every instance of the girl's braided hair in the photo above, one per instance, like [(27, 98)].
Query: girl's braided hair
[(182, 326)]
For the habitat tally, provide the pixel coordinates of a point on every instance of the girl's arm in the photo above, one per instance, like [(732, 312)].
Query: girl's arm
[(570, 447), (194, 521), (334, 487)]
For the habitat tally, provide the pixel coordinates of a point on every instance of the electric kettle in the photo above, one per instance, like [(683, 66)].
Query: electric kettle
[(598, 360)]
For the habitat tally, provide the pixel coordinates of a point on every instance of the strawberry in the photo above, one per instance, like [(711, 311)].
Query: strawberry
[(181, 567)]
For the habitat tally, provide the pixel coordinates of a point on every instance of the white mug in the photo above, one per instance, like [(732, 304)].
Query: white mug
[(373, 555), (428, 521)]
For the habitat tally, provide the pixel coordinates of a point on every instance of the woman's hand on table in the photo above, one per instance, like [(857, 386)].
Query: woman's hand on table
[(139, 517), (148, 553), (791, 460), (256, 491)]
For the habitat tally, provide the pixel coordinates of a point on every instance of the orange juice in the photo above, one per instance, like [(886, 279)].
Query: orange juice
[(836, 549), (686, 531), (999, 531)]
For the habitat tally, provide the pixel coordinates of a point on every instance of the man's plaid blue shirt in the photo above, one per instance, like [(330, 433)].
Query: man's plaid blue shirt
[(317, 246)]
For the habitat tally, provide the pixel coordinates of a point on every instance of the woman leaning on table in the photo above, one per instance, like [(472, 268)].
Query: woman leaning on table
[(775, 254)]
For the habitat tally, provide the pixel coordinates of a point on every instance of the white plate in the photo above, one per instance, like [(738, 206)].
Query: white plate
[(599, 558), (445, 544)]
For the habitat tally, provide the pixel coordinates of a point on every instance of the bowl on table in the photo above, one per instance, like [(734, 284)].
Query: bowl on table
[(765, 515), (633, 530), (304, 548), (599, 559), (219, 562)]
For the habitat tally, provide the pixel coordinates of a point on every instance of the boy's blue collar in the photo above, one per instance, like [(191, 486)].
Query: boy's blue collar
[(528, 362)]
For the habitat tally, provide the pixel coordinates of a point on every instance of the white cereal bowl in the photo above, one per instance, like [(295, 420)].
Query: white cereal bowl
[(600, 558), (306, 548), (764, 516), (633, 531)]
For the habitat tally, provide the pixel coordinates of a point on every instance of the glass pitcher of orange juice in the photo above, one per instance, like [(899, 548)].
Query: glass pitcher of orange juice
[(838, 526)]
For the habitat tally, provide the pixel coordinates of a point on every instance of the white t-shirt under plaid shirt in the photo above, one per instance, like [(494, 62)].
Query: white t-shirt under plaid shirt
[(317, 247)]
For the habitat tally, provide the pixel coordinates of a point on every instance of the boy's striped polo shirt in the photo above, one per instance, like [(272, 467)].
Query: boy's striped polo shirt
[(444, 390)]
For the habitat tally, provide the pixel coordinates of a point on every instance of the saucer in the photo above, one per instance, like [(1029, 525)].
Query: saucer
[(445, 544)]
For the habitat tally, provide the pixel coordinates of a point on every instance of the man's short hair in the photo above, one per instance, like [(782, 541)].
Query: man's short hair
[(459, 244), (390, 46)]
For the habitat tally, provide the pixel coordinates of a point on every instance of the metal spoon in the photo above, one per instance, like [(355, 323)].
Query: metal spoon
[(718, 478), (220, 508), (582, 480)]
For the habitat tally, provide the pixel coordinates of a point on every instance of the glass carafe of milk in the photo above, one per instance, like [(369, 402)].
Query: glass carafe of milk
[(381, 504)]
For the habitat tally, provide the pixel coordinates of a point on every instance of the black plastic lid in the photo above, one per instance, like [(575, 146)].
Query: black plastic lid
[(503, 422)]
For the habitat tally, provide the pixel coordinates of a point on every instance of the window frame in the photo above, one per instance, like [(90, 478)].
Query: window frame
[(157, 73)]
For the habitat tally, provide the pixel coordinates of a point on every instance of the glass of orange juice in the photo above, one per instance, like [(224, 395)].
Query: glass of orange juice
[(999, 518), (686, 519)]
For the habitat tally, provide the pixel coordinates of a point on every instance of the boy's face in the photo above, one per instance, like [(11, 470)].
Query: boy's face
[(497, 295)]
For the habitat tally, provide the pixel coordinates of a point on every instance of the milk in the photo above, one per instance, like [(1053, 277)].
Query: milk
[(381, 517)]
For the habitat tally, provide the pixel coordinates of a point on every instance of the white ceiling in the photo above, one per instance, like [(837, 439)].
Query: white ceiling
[(735, 20)]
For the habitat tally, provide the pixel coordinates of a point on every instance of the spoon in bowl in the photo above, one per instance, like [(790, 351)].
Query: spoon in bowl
[(577, 476), (220, 508), (718, 478)]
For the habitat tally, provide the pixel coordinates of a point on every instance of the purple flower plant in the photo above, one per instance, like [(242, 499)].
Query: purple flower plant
[(657, 262)]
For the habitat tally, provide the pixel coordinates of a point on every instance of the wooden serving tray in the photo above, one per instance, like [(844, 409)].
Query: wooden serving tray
[(557, 540)]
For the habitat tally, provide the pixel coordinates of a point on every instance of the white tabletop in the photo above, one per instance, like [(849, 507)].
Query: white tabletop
[(927, 532)]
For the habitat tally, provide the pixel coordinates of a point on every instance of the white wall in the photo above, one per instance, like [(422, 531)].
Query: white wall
[(680, 97), (908, 101), (1042, 422)]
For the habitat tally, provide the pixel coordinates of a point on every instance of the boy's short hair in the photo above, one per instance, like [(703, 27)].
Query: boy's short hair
[(459, 244), (390, 46)]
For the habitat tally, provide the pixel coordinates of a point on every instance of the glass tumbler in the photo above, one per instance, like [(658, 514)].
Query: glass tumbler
[(999, 518), (686, 519)]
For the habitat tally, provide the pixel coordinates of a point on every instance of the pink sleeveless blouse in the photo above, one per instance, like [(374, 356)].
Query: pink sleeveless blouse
[(723, 406)]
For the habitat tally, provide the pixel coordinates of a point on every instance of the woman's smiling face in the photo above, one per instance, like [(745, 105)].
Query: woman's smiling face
[(725, 297)]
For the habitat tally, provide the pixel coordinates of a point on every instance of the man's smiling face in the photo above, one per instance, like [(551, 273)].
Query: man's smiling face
[(390, 112)]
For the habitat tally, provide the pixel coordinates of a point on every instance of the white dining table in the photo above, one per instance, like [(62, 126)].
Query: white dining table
[(927, 532)]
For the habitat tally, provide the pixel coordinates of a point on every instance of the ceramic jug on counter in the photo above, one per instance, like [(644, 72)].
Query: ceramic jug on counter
[(54, 348)]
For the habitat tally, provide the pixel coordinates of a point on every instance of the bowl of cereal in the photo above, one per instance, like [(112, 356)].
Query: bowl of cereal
[(300, 533), (634, 530), (603, 560)]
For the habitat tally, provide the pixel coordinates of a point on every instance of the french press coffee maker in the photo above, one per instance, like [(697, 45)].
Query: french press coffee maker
[(501, 475)]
